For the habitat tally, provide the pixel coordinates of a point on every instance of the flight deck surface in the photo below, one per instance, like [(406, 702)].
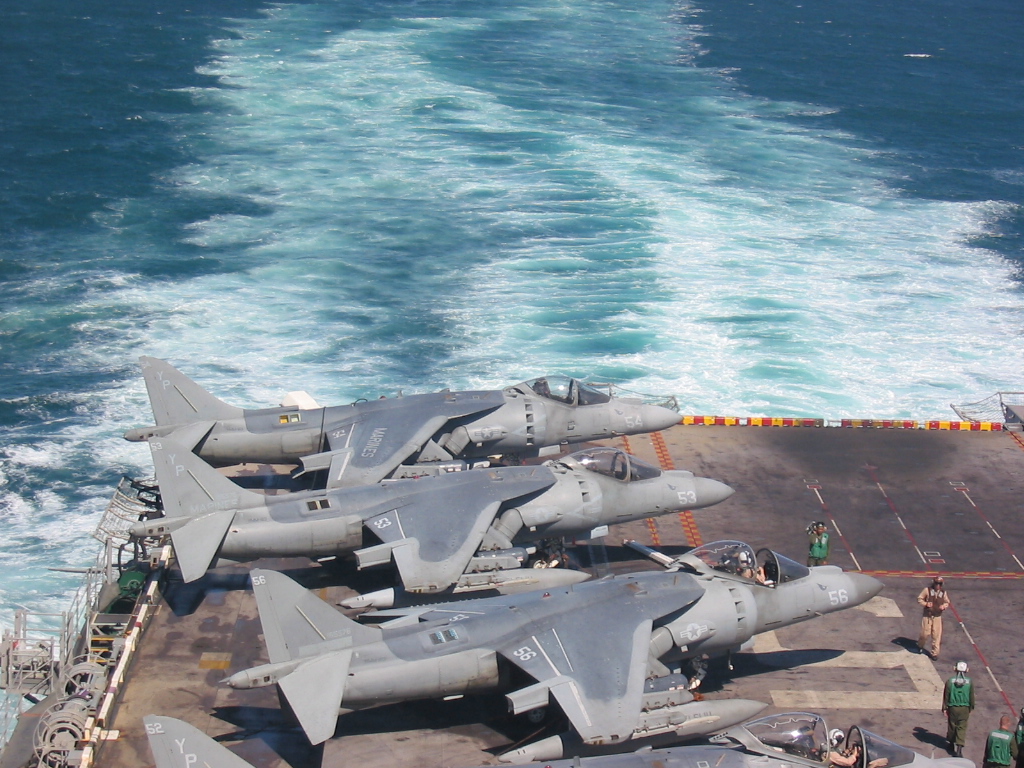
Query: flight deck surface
[(900, 504)]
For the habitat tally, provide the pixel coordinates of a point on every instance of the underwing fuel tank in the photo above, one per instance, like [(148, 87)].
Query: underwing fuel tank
[(474, 585), (669, 713)]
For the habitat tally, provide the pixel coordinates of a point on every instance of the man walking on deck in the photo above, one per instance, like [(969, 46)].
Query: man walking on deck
[(957, 705), (934, 600)]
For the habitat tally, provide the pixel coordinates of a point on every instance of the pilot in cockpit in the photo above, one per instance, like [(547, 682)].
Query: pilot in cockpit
[(851, 756)]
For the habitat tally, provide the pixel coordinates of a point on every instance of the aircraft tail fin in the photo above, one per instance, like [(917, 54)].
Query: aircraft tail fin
[(293, 618), (192, 489), (176, 399), (176, 744)]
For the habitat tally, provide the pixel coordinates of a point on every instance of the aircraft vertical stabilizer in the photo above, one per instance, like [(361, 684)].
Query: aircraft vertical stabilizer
[(177, 400), (191, 488), (176, 744), (294, 618)]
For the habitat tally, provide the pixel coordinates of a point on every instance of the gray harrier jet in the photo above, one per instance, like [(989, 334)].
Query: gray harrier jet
[(456, 529), (786, 740), (367, 441), (589, 647)]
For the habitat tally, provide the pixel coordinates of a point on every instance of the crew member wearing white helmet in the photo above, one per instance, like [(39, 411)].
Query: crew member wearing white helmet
[(957, 704)]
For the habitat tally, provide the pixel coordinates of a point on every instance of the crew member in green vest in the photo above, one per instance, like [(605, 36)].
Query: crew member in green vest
[(1001, 748), (957, 705), (819, 544)]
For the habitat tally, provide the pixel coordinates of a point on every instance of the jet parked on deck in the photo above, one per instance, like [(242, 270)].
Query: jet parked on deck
[(368, 441), (785, 740), (590, 647), (455, 530)]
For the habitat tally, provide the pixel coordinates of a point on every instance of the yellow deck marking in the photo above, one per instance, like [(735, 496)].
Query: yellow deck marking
[(883, 607), (926, 681), (215, 661)]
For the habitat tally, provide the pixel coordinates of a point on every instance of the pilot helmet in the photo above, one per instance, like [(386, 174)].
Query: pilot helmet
[(744, 558), (961, 667), (835, 737)]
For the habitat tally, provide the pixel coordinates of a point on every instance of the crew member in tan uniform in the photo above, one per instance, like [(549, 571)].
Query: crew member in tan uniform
[(934, 600)]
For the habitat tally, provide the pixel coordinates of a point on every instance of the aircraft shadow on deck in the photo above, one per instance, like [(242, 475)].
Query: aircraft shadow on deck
[(270, 727), (185, 599), (758, 663), (274, 725)]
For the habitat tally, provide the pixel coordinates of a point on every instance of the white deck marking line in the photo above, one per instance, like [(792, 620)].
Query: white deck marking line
[(984, 661), (815, 486), (892, 508), (849, 549), (992, 528)]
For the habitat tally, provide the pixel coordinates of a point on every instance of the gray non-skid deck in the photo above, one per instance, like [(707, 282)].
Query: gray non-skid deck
[(902, 504)]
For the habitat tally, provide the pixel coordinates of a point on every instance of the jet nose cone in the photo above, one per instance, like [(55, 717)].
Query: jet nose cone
[(656, 418), (863, 587), (710, 491)]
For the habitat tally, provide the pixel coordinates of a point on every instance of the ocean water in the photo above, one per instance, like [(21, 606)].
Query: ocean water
[(799, 208)]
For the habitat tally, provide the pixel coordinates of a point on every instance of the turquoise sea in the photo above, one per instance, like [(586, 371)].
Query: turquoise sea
[(795, 208)]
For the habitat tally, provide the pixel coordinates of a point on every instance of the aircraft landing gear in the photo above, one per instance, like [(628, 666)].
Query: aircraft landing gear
[(698, 671), (551, 554)]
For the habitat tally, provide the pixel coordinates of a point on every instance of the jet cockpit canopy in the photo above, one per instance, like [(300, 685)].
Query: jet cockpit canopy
[(738, 558), (610, 462), (800, 734), (876, 752), (805, 736), (564, 389)]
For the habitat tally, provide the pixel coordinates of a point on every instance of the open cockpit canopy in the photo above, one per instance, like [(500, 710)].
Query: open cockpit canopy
[(738, 558), (800, 734), (805, 736), (564, 389), (610, 462)]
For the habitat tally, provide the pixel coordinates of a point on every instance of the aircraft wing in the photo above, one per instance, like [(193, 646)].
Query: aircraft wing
[(593, 660), (379, 435), (434, 532)]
